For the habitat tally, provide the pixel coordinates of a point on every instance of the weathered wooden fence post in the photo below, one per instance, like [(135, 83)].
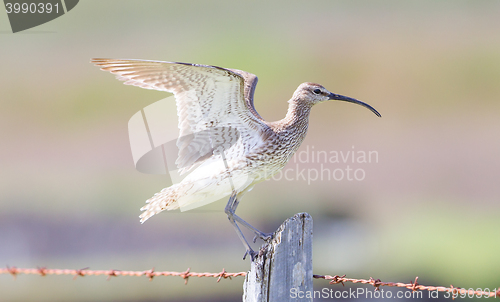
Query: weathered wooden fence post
[(283, 269)]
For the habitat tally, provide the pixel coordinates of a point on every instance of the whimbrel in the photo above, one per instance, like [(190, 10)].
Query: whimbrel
[(219, 101)]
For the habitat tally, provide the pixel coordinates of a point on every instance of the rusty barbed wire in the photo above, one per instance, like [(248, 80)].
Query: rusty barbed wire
[(43, 271), (413, 285)]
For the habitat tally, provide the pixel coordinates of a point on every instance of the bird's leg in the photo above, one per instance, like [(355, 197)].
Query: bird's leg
[(258, 234), (229, 212), (233, 204)]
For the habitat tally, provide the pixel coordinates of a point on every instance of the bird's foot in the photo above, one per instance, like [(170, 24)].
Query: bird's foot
[(250, 252), (264, 236)]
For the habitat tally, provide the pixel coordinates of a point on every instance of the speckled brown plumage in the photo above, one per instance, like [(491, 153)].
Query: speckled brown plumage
[(215, 110)]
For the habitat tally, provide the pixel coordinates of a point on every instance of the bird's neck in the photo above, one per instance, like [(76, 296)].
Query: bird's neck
[(291, 130), (297, 115)]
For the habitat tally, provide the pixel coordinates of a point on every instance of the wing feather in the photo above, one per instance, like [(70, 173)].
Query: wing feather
[(250, 83), (214, 104)]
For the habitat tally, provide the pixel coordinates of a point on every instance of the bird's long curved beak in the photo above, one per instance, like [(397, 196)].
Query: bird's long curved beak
[(339, 97)]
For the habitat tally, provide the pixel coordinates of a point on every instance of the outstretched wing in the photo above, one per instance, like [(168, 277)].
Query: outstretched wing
[(214, 104), (250, 83)]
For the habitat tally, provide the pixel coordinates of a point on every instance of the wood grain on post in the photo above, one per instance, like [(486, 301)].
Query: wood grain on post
[(283, 269)]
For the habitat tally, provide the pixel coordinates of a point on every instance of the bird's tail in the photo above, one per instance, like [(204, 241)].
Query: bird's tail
[(166, 199)]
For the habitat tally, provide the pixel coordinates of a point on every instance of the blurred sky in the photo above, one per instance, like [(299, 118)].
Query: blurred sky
[(428, 206)]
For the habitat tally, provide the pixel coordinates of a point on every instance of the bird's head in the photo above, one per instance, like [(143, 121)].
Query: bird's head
[(312, 94)]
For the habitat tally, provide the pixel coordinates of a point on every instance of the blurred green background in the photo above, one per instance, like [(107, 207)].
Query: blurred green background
[(70, 195)]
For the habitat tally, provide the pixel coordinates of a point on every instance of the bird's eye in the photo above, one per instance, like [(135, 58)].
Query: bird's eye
[(317, 91)]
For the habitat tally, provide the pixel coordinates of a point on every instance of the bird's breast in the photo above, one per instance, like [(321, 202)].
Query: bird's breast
[(272, 156)]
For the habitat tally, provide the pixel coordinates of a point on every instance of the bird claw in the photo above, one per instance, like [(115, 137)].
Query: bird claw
[(264, 236), (250, 252)]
